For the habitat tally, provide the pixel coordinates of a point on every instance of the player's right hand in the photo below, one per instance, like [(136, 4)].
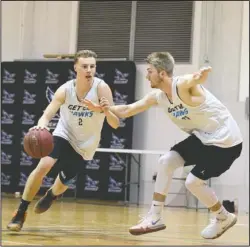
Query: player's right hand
[(92, 106), (40, 127)]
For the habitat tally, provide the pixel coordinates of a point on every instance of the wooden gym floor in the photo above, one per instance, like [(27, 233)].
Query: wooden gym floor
[(71, 222)]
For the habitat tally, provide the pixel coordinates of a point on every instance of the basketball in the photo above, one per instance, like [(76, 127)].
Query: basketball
[(38, 143)]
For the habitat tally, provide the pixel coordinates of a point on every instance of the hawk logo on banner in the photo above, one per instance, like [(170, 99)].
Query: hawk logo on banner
[(122, 122), (23, 133), (117, 142), (116, 163), (72, 75), (8, 78), (25, 160), (23, 179), (47, 182), (8, 98), (28, 119), (6, 138), (28, 98), (7, 118), (29, 78), (51, 78), (93, 164), (49, 96), (5, 158), (120, 78), (114, 186), (99, 75), (5, 179), (120, 99), (90, 184)]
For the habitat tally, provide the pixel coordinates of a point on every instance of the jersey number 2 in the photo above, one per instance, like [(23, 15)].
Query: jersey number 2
[(80, 121)]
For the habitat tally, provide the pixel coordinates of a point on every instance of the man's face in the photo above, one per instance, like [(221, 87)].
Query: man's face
[(86, 68), (153, 76)]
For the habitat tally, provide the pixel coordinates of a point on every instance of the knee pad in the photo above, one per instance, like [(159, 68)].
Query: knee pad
[(170, 161), (192, 182), (67, 178)]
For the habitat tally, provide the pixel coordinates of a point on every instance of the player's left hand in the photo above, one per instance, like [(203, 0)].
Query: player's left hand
[(202, 75), (91, 105)]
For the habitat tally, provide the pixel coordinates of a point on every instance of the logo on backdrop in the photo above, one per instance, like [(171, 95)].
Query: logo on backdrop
[(6, 138), (120, 78), (99, 75), (122, 122), (8, 78), (7, 118), (29, 78), (28, 119), (90, 184), (51, 78), (49, 96), (25, 159), (47, 181), (93, 164), (114, 186), (28, 98), (7, 98), (23, 135), (120, 99), (72, 75), (5, 158), (117, 142), (5, 179), (116, 163)]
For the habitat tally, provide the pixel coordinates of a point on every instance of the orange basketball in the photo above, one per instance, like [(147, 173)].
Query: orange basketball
[(38, 143)]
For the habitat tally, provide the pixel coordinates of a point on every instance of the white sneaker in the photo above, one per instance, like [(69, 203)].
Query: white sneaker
[(149, 223), (217, 227)]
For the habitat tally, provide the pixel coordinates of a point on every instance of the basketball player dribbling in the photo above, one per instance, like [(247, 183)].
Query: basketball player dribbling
[(214, 143), (76, 136)]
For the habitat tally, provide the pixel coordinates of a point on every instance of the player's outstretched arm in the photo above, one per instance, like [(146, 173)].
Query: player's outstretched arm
[(192, 80), (125, 111), (52, 108), (106, 100)]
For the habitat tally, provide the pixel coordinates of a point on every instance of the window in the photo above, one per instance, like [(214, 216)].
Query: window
[(105, 27)]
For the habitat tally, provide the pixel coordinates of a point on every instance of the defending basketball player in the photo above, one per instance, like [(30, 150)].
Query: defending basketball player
[(76, 136), (214, 143)]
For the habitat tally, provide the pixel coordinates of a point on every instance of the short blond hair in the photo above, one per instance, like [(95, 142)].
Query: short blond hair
[(85, 54), (162, 61)]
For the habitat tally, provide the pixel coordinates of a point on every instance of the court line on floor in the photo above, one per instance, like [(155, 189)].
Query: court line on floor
[(21, 243), (72, 226)]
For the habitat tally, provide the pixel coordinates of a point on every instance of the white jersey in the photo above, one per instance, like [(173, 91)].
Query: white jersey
[(77, 124), (211, 121)]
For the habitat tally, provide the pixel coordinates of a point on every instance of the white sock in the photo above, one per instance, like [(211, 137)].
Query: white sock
[(157, 207), (221, 213)]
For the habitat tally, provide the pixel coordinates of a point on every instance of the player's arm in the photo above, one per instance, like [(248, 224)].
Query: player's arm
[(106, 100), (191, 80), (52, 108), (125, 111)]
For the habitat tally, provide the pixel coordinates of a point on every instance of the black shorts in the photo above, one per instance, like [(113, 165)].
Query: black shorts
[(210, 161), (69, 161)]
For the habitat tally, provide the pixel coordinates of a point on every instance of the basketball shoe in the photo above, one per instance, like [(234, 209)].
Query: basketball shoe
[(218, 226), (45, 202), (17, 221), (149, 223)]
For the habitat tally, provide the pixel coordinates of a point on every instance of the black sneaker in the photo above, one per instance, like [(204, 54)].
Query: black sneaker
[(17, 221), (230, 206), (44, 203)]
